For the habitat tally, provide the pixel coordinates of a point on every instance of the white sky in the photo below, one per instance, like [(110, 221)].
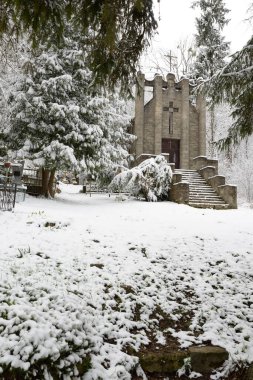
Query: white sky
[(178, 23)]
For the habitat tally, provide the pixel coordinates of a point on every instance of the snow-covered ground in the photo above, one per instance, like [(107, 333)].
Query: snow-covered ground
[(83, 274)]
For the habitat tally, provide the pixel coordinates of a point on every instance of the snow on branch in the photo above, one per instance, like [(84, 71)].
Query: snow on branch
[(149, 180)]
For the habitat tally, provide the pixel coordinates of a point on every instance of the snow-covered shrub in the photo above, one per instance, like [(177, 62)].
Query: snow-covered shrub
[(150, 180)]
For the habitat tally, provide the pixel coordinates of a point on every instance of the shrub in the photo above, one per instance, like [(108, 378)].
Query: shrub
[(150, 180)]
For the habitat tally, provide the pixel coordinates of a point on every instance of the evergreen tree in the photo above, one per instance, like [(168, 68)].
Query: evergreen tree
[(234, 84), (9, 69), (211, 46), (60, 121), (121, 29)]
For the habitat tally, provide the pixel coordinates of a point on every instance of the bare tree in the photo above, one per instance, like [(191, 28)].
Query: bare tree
[(178, 61)]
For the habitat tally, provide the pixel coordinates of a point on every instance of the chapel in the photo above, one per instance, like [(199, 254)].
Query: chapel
[(172, 122)]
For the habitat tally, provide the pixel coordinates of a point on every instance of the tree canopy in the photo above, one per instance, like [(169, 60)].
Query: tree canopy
[(117, 31), (211, 49), (210, 44)]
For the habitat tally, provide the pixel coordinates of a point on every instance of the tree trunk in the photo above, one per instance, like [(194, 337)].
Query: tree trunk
[(48, 182), (45, 180), (51, 189)]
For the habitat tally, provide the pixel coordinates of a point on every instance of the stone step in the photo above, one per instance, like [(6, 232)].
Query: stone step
[(196, 201), (205, 196), (195, 179), (201, 189), (194, 182), (208, 205), (204, 192), (197, 185), (201, 194), (195, 175), (200, 185), (203, 201), (191, 175), (199, 182), (197, 190)]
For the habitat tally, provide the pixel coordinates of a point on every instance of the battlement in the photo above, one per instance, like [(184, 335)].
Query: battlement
[(169, 122)]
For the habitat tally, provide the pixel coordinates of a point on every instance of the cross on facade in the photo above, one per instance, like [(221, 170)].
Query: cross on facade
[(171, 110)]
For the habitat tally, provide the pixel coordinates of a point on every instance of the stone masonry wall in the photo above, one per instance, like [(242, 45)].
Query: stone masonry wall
[(176, 99), (152, 120), (194, 133), (149, 128)]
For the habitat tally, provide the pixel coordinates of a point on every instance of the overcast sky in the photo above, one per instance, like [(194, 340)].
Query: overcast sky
[(177, 22)]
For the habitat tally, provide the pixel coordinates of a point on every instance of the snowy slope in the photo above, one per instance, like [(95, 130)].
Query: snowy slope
[(83, 274)]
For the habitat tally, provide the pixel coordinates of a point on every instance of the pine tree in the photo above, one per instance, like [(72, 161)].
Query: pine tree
[(234, 84), (9, 68), (60, 120), (211, 46)]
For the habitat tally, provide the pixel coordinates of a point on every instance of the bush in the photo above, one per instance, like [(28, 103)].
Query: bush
[(150, 180)]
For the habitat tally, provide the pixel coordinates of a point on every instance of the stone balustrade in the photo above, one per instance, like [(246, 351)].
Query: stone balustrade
[(210, 174), (172, 166), (177, 177), (143, 157), (202, 161), (229, 194), (207, 172), (216, 181), (179, 192)]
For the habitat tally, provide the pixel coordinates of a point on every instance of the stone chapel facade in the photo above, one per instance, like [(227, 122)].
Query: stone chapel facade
[(170, 122)]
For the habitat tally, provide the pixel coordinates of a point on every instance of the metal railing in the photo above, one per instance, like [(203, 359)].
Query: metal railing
[(11, 185)]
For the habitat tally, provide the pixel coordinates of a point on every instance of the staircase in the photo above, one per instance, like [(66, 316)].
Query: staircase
[(201, 194)]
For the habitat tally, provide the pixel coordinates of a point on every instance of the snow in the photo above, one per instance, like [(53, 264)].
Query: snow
[(74, 271), (60, 109), (150, 179)]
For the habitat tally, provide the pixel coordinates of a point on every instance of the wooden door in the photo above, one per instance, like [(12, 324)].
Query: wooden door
[(172, 146)]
